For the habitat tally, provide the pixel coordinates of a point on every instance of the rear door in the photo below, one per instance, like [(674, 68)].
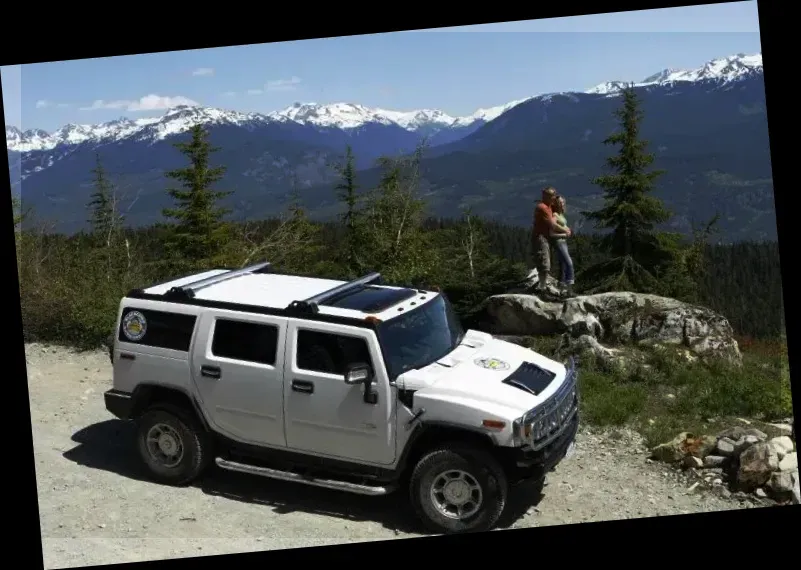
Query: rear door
[(238, 371)]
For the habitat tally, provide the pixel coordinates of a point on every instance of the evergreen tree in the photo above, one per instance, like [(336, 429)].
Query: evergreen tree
[(19, 215), (347, 192), (104, 218), (200, 231), (636, 250)]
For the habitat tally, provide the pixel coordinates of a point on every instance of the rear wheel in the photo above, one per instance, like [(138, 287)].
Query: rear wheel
[(172, 445), (457, 489)]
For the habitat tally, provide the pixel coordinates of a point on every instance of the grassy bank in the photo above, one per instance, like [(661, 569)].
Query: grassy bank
[(665, 395)]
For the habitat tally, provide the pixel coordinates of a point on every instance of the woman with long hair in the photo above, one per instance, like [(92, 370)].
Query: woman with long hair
[(559, 237)]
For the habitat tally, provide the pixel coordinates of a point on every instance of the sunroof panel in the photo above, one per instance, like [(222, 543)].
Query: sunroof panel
[(371, 299)]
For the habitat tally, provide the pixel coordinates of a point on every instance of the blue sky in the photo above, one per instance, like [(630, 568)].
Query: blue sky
[(457, 71)]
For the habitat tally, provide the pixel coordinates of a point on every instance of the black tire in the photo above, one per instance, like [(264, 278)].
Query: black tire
[(479, 465), (193, 439)]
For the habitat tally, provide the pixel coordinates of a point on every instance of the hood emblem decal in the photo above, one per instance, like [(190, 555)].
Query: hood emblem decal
[(491, 364)]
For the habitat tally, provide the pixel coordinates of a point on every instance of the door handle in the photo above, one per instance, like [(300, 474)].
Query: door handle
[(210, 371), (303, 387), (127, 356)]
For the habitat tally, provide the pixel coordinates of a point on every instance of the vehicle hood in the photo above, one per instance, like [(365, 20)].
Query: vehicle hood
[(475, 371)]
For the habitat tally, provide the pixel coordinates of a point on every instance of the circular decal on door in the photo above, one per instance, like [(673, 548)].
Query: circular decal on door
[(491, 364), (134, 326)]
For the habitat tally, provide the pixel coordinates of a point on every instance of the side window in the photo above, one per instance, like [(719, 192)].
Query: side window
[(330, 353), (159, 329), (249, 342)]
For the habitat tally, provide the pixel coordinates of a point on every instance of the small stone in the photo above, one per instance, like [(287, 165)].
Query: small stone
[(784, 429), (760, 435), (101, 525), (795, 493), (781, 483), (760, 492), (722, 491), (782, 445), (733, 433), (744, 443), (789, 462), (692, 462), (745, 421), (714, 460), (726, 447), (713, 471), (693, 487), (756, 465), (671, 451)]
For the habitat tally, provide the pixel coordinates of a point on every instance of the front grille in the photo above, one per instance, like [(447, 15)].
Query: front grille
[(549, 420), (531, 378)]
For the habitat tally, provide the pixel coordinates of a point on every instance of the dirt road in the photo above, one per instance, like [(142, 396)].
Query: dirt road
[(97, 506)]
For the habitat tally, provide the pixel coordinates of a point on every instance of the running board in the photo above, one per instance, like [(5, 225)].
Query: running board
[(297, 478)]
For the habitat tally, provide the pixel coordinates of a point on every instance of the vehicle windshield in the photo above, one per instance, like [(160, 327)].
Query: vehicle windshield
[(420, 337)]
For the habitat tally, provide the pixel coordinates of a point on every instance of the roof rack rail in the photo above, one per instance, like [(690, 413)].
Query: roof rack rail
[(311, 304), (189, 290)]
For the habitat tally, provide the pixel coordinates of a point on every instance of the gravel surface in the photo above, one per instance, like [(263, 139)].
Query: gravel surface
[(97, 506)]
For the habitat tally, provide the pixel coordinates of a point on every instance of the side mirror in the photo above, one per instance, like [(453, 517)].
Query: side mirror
[(362, 374), (357, 374)]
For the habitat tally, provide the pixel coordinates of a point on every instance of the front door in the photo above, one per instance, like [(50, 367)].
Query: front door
[(325, 416), (238, 370)]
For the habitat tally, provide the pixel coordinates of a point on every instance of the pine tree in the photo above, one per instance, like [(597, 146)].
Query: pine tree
[(636, 250), (104, 219), (347, 193), (19, 215), (200, 231)]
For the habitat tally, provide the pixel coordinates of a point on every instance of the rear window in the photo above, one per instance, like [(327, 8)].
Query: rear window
[(158, 329), (245, 341)]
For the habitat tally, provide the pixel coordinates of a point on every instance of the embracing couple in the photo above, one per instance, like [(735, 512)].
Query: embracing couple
[(550, 228)]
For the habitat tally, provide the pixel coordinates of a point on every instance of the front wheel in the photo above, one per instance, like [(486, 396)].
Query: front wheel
[(458, 489)]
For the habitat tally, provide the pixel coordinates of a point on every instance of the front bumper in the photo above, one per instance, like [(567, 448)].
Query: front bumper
[(535, 458), (118, 403)]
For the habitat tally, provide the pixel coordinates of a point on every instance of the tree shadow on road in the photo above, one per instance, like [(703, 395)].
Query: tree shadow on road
[(110, 446)]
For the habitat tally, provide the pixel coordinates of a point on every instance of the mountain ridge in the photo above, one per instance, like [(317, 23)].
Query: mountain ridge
[(342, 115), (706, 126)]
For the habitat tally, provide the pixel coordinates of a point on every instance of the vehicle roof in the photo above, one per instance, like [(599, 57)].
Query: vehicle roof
[(273, 290)]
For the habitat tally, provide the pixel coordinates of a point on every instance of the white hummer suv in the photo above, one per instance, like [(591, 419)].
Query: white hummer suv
[(346, 385)]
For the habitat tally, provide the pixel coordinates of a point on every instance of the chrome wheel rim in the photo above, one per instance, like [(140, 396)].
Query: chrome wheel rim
[(165, 445), (456, 494)]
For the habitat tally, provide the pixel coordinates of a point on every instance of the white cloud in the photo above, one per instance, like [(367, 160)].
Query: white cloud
[(277, 85), (283, 84), (44, 104), (147, 103), (201, 71), (229, 94)]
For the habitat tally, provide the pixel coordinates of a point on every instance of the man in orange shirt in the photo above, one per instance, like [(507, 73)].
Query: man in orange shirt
[(540, 233)]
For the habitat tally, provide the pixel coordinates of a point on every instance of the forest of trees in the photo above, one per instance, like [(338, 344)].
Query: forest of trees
[(71, 286)]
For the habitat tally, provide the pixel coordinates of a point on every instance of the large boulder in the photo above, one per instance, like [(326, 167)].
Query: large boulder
[(617, 318)]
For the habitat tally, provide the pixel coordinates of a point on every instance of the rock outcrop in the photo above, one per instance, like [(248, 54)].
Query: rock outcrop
[(739, 459), (599, 323)]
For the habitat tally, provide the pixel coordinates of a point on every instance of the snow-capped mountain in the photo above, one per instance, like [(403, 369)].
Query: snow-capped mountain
[(707, 124), (344, 116), (719, 71)]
